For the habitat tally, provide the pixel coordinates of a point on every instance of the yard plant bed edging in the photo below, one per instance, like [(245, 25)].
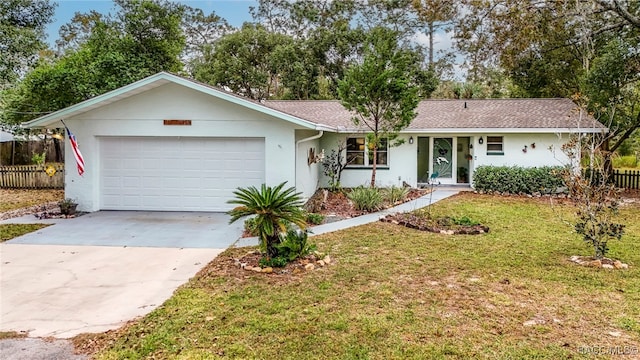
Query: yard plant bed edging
[(604, 263), (439, 226)]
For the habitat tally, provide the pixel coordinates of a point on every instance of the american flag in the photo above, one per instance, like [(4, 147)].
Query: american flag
[(76, 151)]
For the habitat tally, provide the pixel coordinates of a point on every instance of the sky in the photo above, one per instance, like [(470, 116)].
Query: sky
[(234, 11)]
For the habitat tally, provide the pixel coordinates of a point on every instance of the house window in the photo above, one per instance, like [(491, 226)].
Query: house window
[(382, 152), (358, 153), (355, 151), (495, 145)]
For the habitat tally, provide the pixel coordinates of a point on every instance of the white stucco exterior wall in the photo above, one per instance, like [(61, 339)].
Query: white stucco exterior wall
[(514, 156), (402, 164), (143, 115), (403, 159), (307, 175)]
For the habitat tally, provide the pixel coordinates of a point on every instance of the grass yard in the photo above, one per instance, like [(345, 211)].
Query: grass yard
[(17, 199), (10, 231), (397, 293)]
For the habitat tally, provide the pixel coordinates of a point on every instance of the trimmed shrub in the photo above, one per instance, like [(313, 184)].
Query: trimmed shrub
[(295, 244), (314, 218), (519, 180), (251, 226), (395, 194), (278, 261), (366, 198)]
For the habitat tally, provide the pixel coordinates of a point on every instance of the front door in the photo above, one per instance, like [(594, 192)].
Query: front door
[(442, 159)]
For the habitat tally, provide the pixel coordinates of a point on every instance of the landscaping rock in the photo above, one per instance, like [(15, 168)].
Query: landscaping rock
[(595, 263), (421, 223), (327, 259), (309, 267), (256, 269), (533, 322), (604, 263), (47, 207), (267, 270), (248, 267), (320, 262)]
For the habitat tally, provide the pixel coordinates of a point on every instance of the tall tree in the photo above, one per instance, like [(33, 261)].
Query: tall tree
[(562, 48), (78, 30), (331, 33), (22, 36), (143, 38), (247, 62), (437, 15), (201, 32), (383, 90)]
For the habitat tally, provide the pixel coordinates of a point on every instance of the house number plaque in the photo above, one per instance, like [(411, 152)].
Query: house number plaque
[(177, 122)]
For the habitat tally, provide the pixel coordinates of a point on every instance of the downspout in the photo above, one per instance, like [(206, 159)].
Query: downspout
[(317, 136)]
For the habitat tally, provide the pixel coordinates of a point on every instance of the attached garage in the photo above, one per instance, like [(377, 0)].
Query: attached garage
[(166, 143), (177, 173)]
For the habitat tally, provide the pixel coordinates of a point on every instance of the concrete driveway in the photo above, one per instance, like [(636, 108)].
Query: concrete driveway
[(136, 228), (95, 272)]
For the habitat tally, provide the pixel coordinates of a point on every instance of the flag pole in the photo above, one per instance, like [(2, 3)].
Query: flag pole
[(76, 150)]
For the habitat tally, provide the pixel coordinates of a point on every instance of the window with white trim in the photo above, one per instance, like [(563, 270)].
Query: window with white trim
[(495, 145), (359, 154)]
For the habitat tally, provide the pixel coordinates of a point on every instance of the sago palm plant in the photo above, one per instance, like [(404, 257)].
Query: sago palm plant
[(273, 208)]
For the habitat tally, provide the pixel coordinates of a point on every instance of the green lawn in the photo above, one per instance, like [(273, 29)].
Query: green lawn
[(397, 293), (10, 231)]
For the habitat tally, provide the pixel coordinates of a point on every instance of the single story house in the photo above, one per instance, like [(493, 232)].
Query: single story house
[(173, 144)]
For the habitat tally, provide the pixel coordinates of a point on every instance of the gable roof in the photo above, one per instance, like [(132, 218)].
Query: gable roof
[(440, 116), (154, 81), (475, 115)]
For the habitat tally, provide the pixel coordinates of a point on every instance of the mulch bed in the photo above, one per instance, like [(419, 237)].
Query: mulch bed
[(439, 226), (240, 265), (336, 206), (56, 215)]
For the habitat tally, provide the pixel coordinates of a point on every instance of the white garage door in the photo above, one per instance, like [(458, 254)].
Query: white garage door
[(177, 174)]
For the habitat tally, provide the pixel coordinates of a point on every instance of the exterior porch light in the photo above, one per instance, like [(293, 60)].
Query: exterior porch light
[(480, 141), (410, 139)]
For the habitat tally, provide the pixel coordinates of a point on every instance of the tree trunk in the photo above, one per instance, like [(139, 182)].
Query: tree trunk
[(431, 33), (373, 170), (58, 150), (272, 250)]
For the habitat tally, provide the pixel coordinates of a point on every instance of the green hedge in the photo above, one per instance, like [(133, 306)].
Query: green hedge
[(518, 180)]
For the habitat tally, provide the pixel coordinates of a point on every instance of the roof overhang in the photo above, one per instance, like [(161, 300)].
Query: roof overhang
[(54, 119), (487, 130)]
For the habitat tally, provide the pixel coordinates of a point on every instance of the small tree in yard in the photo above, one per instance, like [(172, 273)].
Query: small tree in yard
[(384, 89), (595, 198), (274, 208), (333, 165)]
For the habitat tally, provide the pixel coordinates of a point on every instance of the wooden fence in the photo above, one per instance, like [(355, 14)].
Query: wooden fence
[(31, 177), (627, 179), (21, 152)]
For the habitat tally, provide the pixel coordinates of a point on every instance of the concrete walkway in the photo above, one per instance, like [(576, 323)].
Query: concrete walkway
[(437, 195)]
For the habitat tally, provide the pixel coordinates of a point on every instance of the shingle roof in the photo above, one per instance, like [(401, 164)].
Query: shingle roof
[(452, 114)]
